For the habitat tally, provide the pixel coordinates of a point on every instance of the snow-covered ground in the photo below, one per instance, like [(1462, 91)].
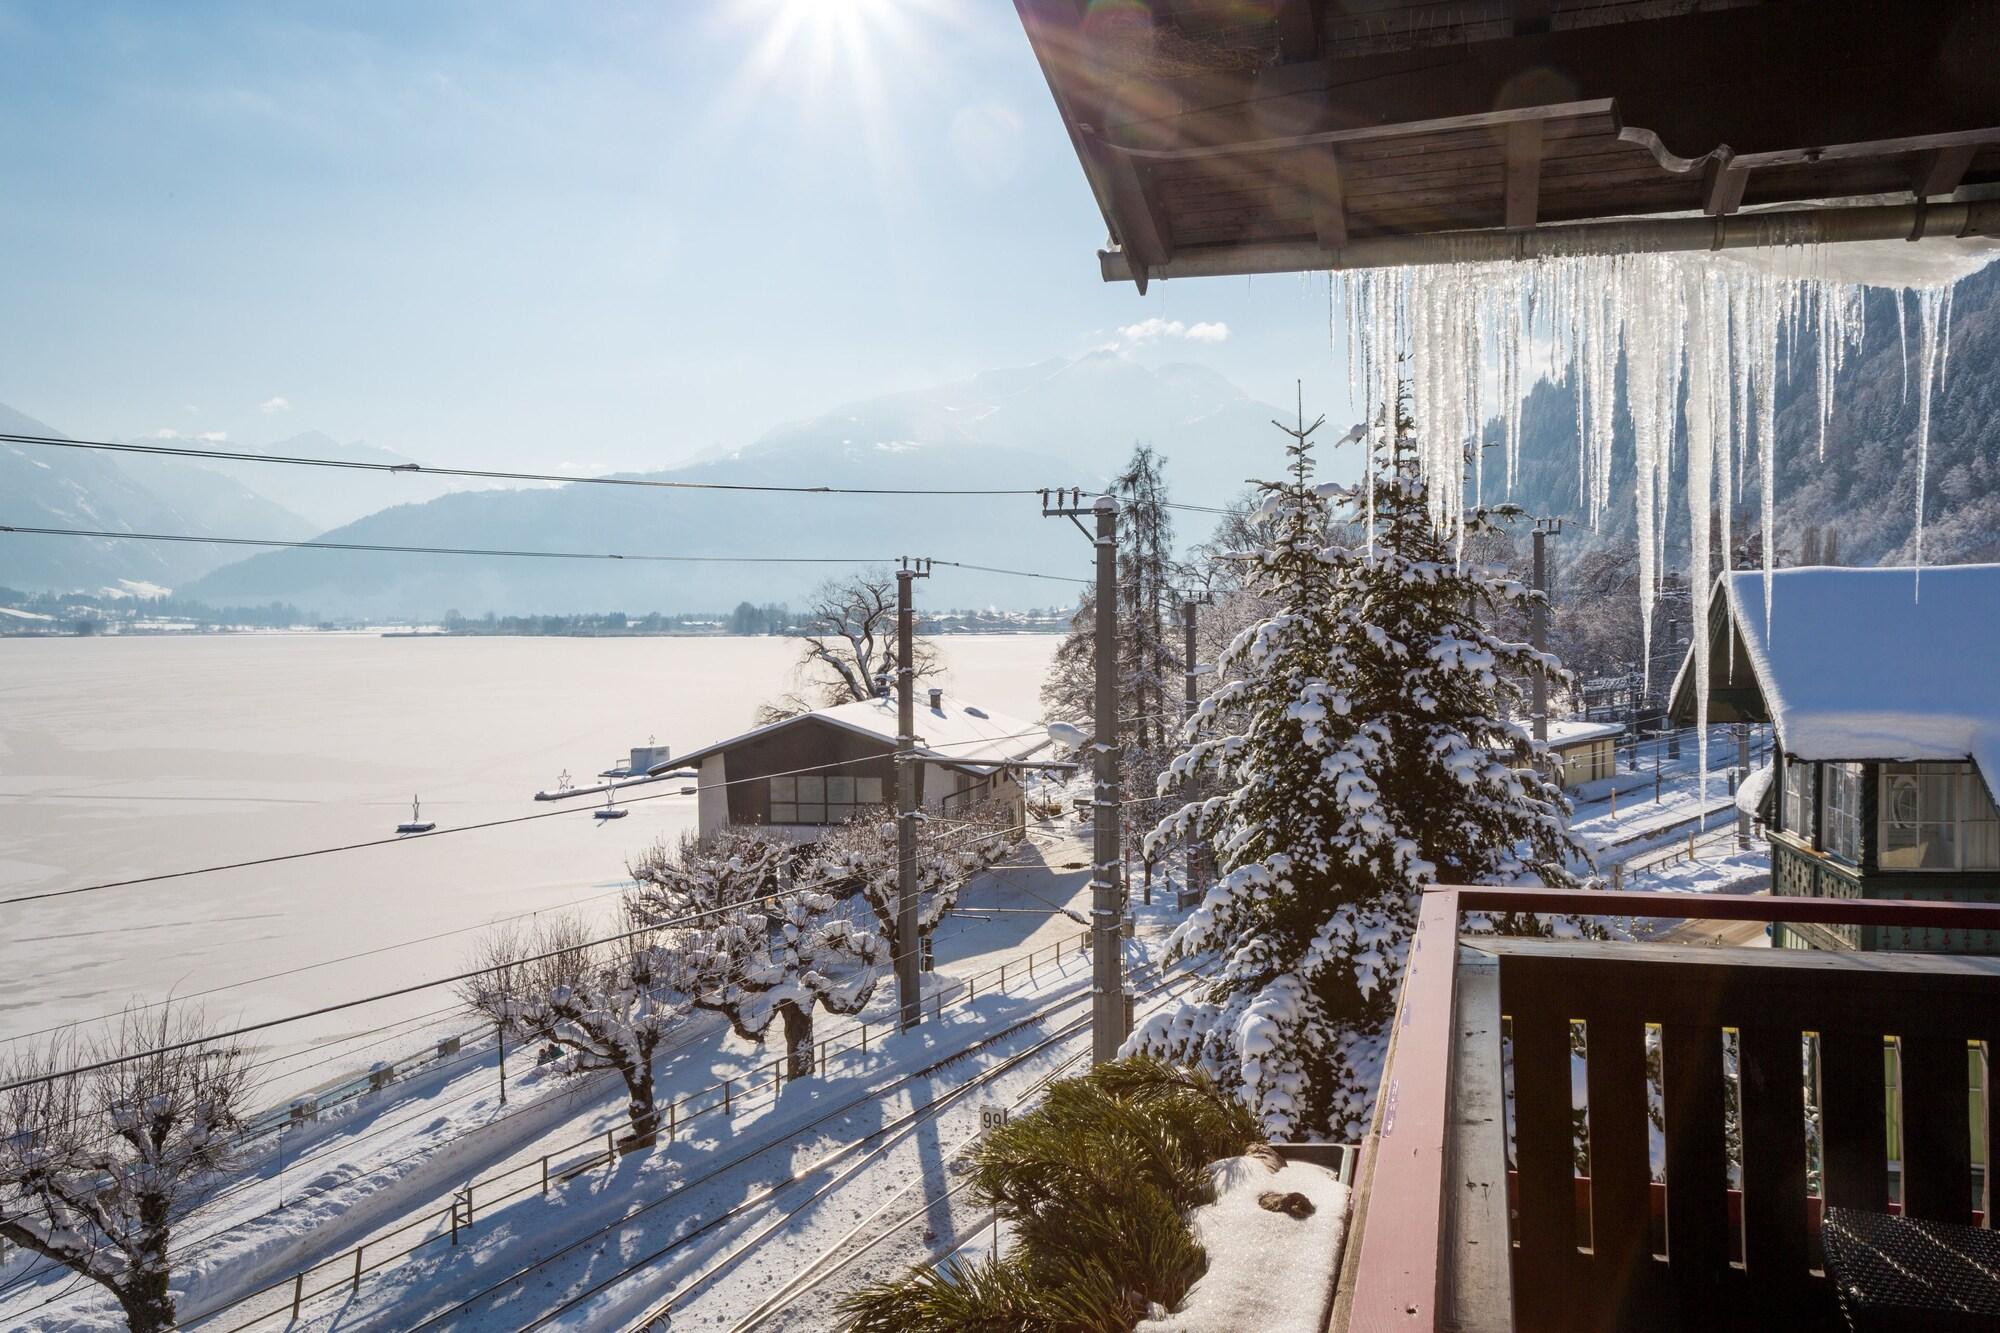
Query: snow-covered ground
[(381, 1172)]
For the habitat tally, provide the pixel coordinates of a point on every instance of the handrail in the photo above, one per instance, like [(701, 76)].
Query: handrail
[(1390, 1279)]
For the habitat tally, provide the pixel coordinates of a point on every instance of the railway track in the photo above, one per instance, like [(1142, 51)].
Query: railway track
[(476, 1305)]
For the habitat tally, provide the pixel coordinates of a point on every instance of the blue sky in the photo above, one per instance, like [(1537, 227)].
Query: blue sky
[(595, 234)]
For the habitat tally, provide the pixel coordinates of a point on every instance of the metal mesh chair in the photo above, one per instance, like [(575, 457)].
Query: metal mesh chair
[(1896, 1273)]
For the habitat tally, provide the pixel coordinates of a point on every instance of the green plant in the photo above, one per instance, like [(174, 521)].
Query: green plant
[(1096, 1184)]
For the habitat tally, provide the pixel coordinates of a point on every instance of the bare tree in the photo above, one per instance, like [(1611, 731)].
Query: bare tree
[(606, 1005), (861, 856), (847, 647), (97, 1168), (766, 947)]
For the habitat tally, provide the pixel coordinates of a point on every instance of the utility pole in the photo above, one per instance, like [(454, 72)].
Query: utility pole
[(1107, 984), (1538, 621), (1197, 850), (1743, 776), (909, 985)]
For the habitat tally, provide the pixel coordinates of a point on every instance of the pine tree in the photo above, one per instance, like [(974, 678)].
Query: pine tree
[(1359, 749)]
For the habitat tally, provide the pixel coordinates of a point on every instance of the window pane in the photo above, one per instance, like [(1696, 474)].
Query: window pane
[(784, 814), (811, 814), (868, 791), (812, 789), (784, 789), (840, 789)]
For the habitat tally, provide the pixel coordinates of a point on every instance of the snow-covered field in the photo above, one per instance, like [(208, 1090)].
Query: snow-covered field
[(132, 757)]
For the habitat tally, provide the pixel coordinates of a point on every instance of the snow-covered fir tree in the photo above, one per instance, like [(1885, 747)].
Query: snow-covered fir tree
[(98, 1169), (1357, 749)]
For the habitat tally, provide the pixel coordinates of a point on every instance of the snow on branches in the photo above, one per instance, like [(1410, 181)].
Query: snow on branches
[(97, 1168), (604, 1005), (1357, 749), (861, 855), (772, 942)]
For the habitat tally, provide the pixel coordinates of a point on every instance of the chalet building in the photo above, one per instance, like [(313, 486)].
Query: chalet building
[(823, 767), (1884, 690)]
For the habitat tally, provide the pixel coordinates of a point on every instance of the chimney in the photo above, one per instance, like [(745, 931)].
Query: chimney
[(937, 699)]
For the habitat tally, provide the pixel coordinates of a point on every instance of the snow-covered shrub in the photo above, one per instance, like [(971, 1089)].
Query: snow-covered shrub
[(98, 1168), (604, 1005), (1357, 748)]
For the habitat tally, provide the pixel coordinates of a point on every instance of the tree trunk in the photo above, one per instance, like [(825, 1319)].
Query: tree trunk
[(640, 1109), (148, 1305), (798, 1040)]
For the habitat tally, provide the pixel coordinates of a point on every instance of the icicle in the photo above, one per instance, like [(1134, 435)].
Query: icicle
[(1701, 456), (1903, 342), (1931, 305)]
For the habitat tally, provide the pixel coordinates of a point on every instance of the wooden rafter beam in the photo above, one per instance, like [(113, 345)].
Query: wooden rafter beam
[(1298, 30), (1723, 182), (1524, 172), (1940, 170), (1532, 17), (1328, 196)]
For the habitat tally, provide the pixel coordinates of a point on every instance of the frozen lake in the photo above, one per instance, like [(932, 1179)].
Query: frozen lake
[(129, 757)]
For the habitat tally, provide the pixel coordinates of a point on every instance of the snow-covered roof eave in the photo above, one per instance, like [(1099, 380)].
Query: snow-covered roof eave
[(980, 762), (1917, 685)]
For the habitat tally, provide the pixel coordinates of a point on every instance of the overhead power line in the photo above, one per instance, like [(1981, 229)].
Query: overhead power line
[(445, 550), (509, 552), (421, 469)]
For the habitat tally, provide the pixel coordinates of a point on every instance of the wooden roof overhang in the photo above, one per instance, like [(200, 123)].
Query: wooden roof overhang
[(1246, 136)]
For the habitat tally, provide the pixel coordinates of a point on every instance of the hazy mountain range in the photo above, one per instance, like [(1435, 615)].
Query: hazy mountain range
[(1061, 422)]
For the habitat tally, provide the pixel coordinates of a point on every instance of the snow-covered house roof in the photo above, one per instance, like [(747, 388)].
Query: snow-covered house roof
[(1860, 664), (1562, 735), (954, 732)]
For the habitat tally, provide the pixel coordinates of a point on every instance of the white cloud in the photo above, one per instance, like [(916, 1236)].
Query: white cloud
[(213, 437), (166, 433), (1148, 329), (271, 405)]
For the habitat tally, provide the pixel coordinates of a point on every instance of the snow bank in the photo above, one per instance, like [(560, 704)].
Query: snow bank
[(1877, 664), (1267, 1270)]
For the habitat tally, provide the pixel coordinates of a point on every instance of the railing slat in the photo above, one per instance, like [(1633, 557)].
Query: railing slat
[(1697, 1167), (1621, 1238), (1775, 1248), (1545, 1259), (1937, 1168), (1853, 1111)]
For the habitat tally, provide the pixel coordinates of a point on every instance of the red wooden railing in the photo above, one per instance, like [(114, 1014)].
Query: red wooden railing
[(1396, 1265)]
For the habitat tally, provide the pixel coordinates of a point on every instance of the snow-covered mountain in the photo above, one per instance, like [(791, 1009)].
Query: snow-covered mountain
[(330, 497), (1063, 422), (72, 488)]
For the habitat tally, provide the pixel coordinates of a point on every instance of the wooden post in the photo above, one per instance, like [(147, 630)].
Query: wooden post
[(357, 1267), (1003, 978), (298, 1294), (671, 1104), (725, 1097), (610, 1148), (545, 1173)]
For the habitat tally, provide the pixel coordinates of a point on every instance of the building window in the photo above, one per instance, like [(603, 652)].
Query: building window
[(811, 798), (1842, 832), (1801, 798), (1937, 817)]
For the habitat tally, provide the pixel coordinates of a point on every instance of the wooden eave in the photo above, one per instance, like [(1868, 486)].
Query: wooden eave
[(1784, 102)]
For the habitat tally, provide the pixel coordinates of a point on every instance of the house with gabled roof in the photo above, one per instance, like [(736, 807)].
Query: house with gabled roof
[(1883, 686), (822, 767)]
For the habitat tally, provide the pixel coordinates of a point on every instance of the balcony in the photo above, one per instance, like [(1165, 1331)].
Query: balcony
[(1635, 1136)]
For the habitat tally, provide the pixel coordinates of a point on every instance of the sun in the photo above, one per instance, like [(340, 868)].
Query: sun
[(821, 49)]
